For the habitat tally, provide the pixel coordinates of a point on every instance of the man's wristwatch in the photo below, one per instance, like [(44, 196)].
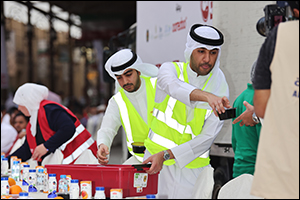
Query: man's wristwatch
[(166, 155), (255, 118)]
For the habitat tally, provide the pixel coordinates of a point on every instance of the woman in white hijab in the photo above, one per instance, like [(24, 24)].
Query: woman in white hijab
[(54, 134)]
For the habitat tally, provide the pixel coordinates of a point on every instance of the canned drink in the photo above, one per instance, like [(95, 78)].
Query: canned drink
[(86, 189), (116, 193)]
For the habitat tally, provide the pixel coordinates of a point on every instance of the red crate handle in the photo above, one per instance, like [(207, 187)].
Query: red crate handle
[(141, 167)]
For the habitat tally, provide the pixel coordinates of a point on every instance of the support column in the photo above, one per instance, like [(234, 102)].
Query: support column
[(29, 40)]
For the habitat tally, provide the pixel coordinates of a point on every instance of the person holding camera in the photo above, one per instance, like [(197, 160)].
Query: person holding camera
[(189, 96), (276, 100)]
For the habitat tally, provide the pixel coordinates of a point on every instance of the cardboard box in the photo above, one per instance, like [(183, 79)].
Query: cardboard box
[(131, 178)]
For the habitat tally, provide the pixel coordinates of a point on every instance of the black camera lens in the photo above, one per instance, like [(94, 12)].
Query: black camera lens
[(261, 27)]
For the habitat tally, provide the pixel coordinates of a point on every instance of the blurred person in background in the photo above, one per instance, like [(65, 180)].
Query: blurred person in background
[(276, 100), (8, 132), (3, 111), (245, 134), (94, 121), (54, 134), (132, 105), (80, 112), (20, 123), (54, 97)]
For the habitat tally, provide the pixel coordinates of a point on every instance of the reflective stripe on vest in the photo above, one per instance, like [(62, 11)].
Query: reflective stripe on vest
[(162, 141), (126, 122), (153, 82), (78, 151), (78, 130), (125, 117)]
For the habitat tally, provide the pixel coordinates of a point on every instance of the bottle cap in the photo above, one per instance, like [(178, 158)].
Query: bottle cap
[(150, 196), (32, 170), (4, 159), (4, 178), (23, 194), (52, 175), (26, 166), (74, 181), (100, 188), (40, 170), (15, 162), (63, 176)]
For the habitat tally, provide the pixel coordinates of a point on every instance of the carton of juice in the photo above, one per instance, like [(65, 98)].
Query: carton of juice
[(69, 178), (116, 193), (86, 189)]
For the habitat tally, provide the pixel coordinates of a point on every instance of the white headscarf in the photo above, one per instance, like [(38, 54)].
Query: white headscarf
[(30, 95), (205, 36), (126, 58)]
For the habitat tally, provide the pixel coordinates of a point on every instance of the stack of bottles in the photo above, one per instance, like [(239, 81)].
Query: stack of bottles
[(36, 181)]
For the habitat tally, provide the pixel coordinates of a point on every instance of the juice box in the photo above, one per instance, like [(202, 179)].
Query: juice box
[(86, 189), (116, 193), (69, 178)]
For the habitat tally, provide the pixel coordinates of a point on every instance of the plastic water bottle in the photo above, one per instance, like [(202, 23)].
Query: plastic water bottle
[(40, 180), (63, 184), (100, 194), (32, 177), (52, 183), (25, 173), (12, 159), (74, 189), (4, 166), (4, 185), (15, 170)]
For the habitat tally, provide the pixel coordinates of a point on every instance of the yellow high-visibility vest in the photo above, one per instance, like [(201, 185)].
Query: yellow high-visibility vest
[(135, 127), (170, 127)]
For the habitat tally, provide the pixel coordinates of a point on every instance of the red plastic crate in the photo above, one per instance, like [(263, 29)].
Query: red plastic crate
[(131, 178)]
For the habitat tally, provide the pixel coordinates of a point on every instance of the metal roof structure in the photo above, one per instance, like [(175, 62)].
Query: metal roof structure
[(101, 18)]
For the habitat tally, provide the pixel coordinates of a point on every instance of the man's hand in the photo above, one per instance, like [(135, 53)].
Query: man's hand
[(39, 151), (246, 116), (157, 161), (218, 104), (102, 154)]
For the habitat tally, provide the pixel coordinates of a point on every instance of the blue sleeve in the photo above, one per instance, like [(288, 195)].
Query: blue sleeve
[(62, 123)]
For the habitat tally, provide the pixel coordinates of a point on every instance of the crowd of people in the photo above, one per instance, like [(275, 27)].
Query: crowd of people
[(172, 112)]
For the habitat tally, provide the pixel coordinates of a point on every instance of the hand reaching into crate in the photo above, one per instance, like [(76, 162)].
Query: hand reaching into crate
[(103, 154)]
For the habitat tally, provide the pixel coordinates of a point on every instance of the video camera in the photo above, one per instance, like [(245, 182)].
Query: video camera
[(274, 14)]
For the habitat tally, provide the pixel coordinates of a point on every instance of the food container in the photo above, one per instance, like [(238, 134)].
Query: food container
[(138, 147), (132, 179)]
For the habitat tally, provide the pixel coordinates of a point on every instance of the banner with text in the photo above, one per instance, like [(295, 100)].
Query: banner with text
[(162, 28)]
